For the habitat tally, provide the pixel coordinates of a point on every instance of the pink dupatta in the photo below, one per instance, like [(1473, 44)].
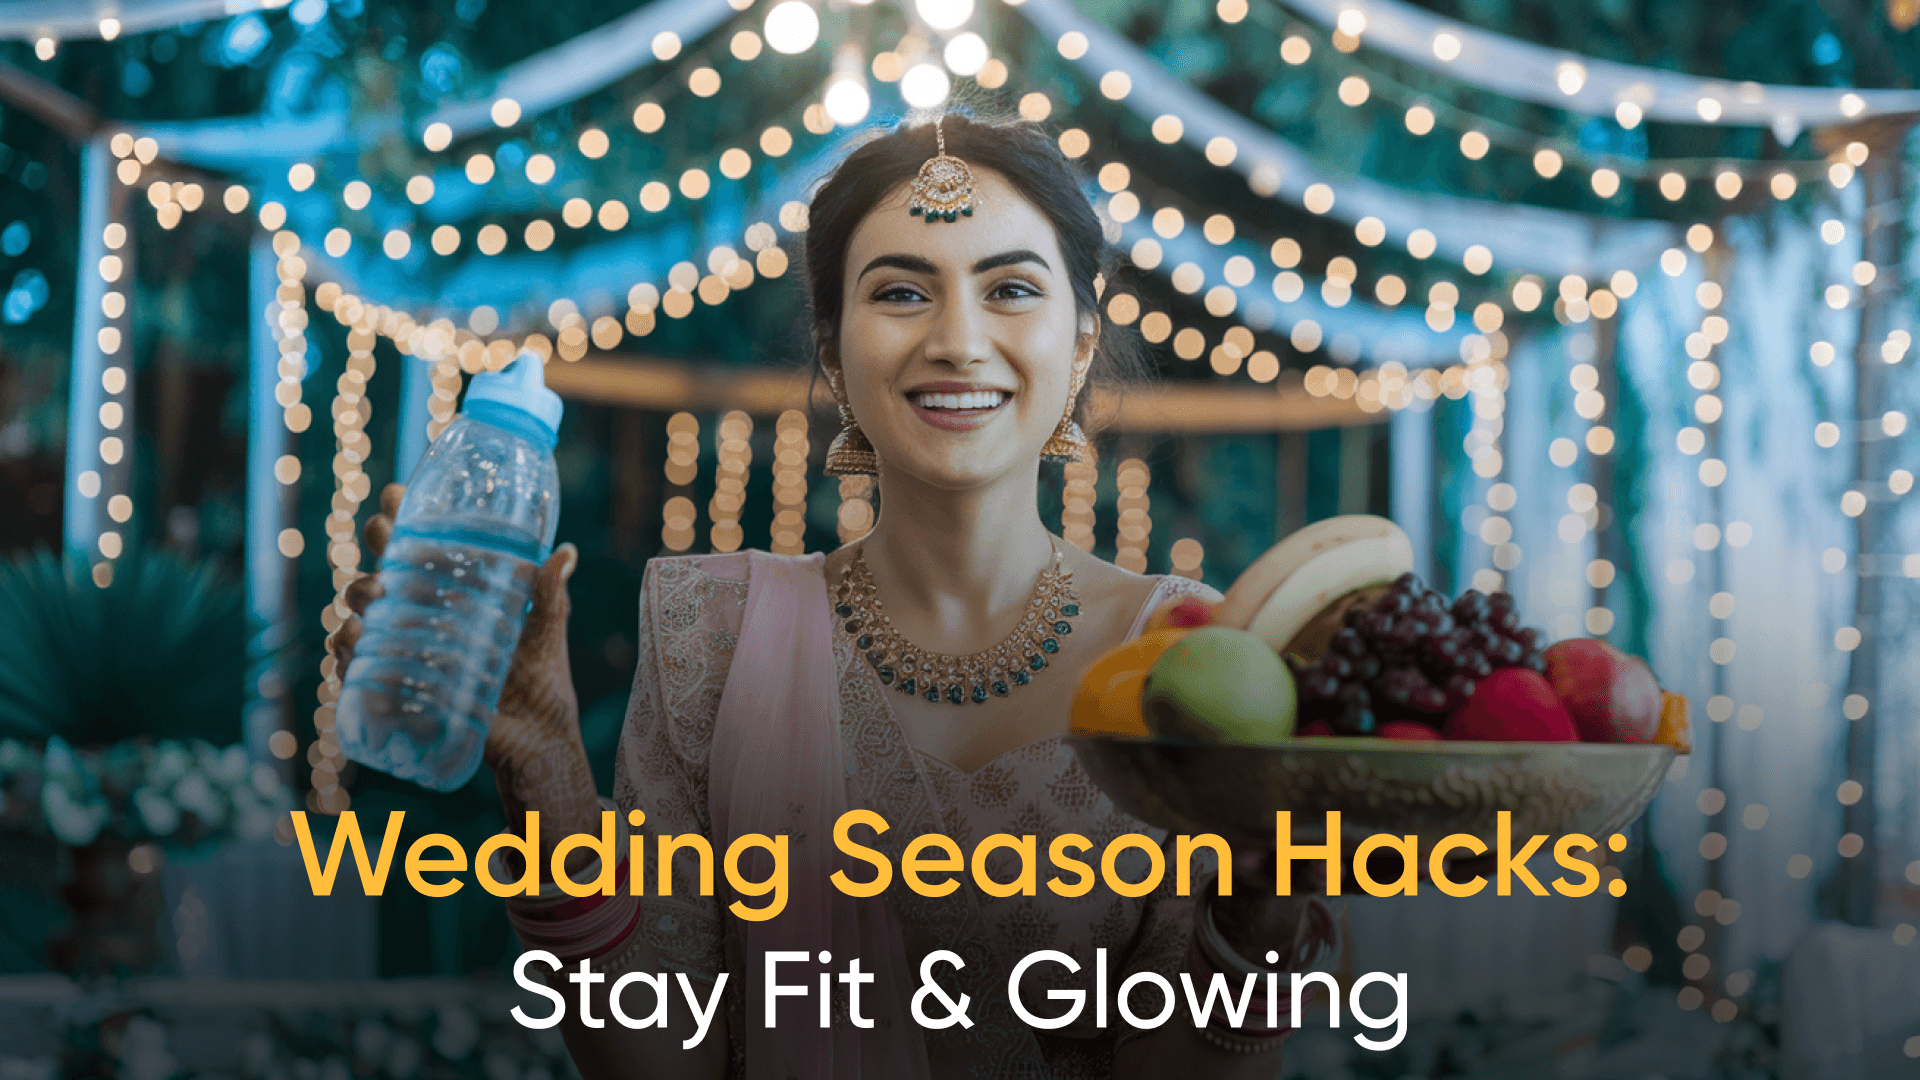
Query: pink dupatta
[(776, 767)]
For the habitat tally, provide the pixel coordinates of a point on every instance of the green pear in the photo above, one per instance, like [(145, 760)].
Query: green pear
[(1219, 684)]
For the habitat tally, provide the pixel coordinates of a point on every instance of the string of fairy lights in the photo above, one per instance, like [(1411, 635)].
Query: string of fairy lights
[(1711, 905), (735, 454), (682, 468), (1135, 524), (289, 326), (1387, 386), (790, 454), (1220, 301), (1188, 343), (789, 31), (112, 339), (1478, 135), (1711, 538), (1898, 483), (1077, 497), (1320, 197), (648, 115)]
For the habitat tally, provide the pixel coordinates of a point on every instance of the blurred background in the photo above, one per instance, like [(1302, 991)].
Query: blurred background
[(1608, 304)]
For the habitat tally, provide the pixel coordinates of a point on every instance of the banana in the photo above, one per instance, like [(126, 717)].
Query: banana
[(1327, 577), (1250, 591)]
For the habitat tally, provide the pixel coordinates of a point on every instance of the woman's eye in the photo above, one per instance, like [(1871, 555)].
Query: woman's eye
[(898, 294), (1013, 290)]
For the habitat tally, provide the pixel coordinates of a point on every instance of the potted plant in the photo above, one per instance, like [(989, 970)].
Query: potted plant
[(120, 715)]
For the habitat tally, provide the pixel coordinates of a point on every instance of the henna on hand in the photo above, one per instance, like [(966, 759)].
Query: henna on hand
[(534, 744)]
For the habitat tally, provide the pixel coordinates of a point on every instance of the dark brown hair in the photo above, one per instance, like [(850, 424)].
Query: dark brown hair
[(1018, 150)]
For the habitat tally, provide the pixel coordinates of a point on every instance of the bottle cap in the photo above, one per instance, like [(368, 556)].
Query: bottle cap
[(522, 387)]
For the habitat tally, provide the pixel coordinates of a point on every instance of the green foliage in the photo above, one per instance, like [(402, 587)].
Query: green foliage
[(159, 653)]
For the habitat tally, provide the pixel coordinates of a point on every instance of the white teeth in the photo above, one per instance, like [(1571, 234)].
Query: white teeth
[(972, 399)]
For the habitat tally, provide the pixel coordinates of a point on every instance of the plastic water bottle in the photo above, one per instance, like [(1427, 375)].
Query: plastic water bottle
[(475, 527)]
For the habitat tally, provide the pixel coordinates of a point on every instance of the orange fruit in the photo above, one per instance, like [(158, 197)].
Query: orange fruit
[(1084, 716), (1141, 652), (1090, 712), (1675, 729), (1120, 704)]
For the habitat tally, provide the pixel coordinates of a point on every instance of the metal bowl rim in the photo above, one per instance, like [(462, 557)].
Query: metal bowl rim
[(1380, 747)]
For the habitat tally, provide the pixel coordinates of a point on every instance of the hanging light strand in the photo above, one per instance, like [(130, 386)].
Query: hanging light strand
[(678, 514), (114, 415), (730, 481), (1135, 525), (1077, 503), (1424, 113), (790, 454)]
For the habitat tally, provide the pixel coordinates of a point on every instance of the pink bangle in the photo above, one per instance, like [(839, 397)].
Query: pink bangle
[(594, 929), (575, 906)]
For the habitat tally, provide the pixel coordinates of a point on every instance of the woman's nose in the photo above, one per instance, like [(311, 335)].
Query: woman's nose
[(958, 335)]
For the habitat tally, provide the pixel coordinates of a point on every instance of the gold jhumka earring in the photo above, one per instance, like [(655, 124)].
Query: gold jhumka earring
[(850, 453), (1068, 442)]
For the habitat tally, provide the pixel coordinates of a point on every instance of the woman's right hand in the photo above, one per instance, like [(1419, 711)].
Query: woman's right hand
[(533, 743)]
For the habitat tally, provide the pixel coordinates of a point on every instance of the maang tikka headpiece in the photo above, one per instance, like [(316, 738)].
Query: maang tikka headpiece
[(943, 190)]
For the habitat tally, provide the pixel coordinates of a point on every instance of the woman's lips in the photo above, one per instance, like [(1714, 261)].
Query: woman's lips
[(959, 410)]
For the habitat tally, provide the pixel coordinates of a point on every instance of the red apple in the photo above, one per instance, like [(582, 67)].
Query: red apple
[(1319, 729), (1407, 730), (1513, 704), (1613, 697)]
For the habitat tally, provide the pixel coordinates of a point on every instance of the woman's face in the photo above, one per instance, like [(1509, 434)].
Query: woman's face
[(958, 339)]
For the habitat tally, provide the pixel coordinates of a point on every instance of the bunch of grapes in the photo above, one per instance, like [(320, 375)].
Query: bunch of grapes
[(1411, 656)]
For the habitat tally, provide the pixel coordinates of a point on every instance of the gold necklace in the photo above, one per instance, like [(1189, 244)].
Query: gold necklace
[(957, 679)]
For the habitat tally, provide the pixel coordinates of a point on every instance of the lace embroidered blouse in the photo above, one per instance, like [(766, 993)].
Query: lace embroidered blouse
[(690, 614)]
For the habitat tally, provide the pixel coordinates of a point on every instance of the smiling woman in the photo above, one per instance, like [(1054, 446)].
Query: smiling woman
[(922, 673)]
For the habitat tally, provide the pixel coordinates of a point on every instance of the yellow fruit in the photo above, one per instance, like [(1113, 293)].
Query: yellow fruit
[(1255, 585), (1139, 653), (1089, 713), (1325, 578), (1084, 716), (1675, 729), (1120, 704)]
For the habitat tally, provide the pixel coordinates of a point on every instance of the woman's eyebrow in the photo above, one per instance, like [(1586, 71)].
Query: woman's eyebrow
[(911, 263), (1008, 258)]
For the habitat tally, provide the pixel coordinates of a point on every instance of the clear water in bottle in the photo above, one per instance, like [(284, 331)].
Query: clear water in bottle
[(475, 526)]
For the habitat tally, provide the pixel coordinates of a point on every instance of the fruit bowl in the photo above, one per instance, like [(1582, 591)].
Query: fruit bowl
[(1429, 789)]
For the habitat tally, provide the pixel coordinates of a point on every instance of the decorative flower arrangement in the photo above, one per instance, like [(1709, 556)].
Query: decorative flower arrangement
[(180, 793)]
